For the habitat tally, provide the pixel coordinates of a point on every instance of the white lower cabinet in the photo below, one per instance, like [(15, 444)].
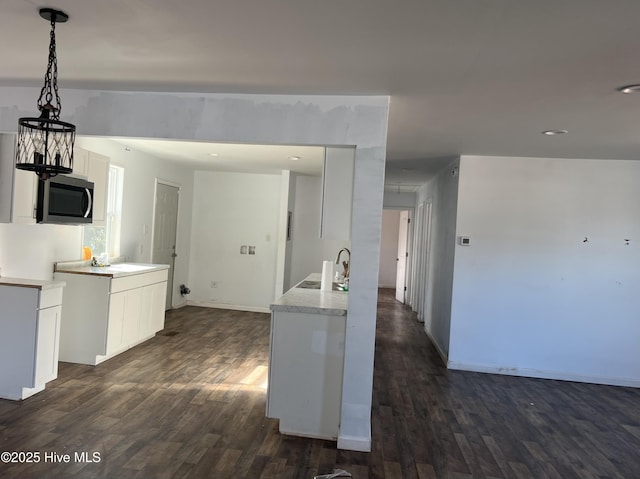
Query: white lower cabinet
[(125, 316), (306, 361), (29, 344), (47, 345), (153, 303), (105, 316)]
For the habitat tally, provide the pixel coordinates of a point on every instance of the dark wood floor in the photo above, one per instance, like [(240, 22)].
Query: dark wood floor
[(190, 404)]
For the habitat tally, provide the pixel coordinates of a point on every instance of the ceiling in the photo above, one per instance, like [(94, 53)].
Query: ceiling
[(267, 159), (480, 77)]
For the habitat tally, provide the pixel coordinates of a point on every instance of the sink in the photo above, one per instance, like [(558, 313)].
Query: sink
[(129, 268), (307, 284)]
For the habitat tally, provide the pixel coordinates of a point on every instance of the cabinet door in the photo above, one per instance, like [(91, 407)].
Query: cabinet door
[(158, 309), (7, 167), (47, 341), (337, 193), (98, 173), (25, 189), (153, 301), (132, 313), (116, 322), (80, 161)]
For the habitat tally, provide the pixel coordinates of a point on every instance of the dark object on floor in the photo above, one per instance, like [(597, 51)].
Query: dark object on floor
[(168, 333)]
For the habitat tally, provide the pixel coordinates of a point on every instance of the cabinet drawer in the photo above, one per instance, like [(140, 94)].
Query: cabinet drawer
[(50, 297), (138, 280)]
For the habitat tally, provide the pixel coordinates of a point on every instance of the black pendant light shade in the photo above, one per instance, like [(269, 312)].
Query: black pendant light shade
[(45, 144)]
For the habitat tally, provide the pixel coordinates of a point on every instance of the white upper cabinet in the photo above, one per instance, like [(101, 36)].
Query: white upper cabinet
[(98, 173), (7, 166), (18, 188), (337, 193), (25, 196), (95, 168), (80, 161)]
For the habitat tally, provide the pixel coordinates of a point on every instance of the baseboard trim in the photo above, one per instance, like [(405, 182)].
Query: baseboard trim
[(443, 356), (235, 307), (543, 374), (352, 443)]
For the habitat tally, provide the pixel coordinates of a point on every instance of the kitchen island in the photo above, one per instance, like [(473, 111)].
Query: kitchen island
[(30, 315), (306, 359), (109, 309)]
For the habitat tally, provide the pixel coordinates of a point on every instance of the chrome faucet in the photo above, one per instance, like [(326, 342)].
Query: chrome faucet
[(345, 264)]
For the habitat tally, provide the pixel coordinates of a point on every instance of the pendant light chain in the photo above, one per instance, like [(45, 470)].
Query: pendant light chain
[(44, 144), (50, 86)]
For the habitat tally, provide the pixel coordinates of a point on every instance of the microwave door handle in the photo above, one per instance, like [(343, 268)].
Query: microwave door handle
[(88, 192)]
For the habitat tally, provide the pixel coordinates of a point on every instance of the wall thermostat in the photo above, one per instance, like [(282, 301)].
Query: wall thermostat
[(465, 241)]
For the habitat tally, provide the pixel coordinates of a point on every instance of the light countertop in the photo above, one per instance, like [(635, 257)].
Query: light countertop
[(30, 283), (302, 300), (116, 270)]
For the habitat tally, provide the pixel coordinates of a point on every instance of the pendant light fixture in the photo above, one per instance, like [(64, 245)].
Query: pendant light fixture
[(45, 144)]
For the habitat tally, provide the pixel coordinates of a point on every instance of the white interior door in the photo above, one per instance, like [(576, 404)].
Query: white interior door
[(416, 296), (165, 225), (403, 254), (428, 289)]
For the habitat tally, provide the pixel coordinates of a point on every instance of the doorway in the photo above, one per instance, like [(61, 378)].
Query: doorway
[(394, 252), (165, 227)]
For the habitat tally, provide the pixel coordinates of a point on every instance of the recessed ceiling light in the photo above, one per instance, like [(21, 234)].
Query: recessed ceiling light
[(629, 89), (294, 158), (554, 132), (213, 154)]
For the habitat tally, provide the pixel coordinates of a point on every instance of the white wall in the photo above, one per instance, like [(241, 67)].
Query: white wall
[(279, 119), (140, 173), (230, 210), (389, 249), (442, 193), (308, 251), (29, 251), (402, 200), (531, 296)]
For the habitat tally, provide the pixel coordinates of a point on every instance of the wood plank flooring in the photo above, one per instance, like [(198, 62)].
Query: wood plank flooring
[(190, 403)]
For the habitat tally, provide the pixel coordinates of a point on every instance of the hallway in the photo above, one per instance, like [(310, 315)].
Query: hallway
[(430, 422)]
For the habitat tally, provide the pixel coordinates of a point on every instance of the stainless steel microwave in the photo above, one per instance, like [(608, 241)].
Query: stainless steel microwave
[(65, 200)]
